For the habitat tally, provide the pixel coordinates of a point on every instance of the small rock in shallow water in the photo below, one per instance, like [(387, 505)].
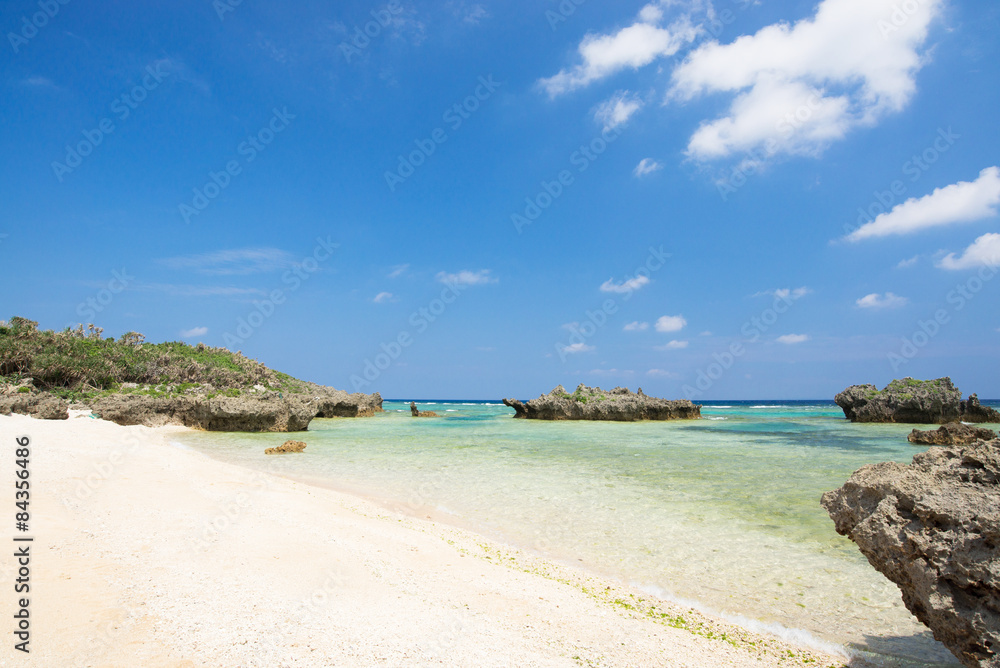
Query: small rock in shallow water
[(286, 448)]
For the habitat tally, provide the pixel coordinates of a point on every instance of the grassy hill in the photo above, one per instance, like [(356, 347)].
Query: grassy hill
[(79, 363)]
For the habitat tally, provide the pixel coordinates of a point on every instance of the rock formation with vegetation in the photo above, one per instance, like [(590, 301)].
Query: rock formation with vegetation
[(914, 401), (130, 381), (593, 403)]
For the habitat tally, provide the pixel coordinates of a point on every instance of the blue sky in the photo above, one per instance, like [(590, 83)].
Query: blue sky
[(476, 199)]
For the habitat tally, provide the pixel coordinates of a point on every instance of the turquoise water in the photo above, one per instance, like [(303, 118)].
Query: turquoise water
[(721, 512)]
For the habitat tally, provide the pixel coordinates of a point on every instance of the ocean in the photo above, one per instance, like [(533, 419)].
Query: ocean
[(721, 514)]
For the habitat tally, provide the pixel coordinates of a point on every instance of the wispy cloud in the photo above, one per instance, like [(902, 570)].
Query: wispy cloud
[(575, 348), (877, 301), (662, 373), (383, 297), (618, 109), (194, 331), (784, 293), (670, 323), (962, 202), (398, 271), (629, 285), (175, 290), (792, 339), (231, 262), (984, 252), (903, 264), (636, 326), (466, 277), (646, 166)]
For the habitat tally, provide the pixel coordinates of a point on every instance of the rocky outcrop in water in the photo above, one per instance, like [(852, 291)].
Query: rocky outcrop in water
[(23, 399), (288, 447), (914, 401), (972, 411), (593, 403), (953, 433), (253, 412), (933, 528), (415, 412)]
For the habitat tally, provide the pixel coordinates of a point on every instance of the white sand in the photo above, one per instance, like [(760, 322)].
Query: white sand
[(128, 571)]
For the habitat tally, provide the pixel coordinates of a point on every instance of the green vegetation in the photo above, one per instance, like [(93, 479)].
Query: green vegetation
[(80, 363)]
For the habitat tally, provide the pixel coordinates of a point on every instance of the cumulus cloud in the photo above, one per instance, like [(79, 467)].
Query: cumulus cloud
[(576, 348), (791, 339), (636, 326), (465, 277), (798, 87), (962, 202), (670, 323), (672, 345), (618, 109), (629, 285), (984, 252), (194, 331), (875, 300), (382, 297), (632, 47), (646, 166)]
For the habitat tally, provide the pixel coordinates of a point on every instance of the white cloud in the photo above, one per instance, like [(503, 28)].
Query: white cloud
[(397, 271), (635, 46), (705, 333), (194, 331), (903, 264), (465, 277), (961, 202), (875, 300), (576, 348), (382, 297), (629, 285), (636, 326), (791, 339), (799, 87), (672, 345), (661, 373), (984, 252), (646, 166), (618, 109), (670, 323)]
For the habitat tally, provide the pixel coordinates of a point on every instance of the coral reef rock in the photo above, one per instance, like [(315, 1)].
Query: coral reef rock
[(247, 412), (415, 412), (593, 403), (933, 528), (953, 433), (39, 405), (287, 447), (913, 401)]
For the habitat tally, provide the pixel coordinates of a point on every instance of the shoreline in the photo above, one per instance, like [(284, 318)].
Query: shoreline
[(304, 575)]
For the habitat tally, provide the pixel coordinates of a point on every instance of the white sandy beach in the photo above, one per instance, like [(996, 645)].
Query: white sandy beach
[(147, 554)]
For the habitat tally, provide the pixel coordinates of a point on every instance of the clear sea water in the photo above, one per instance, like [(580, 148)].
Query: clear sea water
[(722, 513)]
